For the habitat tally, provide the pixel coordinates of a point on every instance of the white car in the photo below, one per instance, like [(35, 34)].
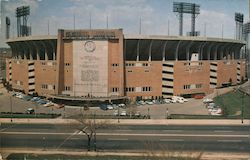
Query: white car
[(121, 105), (207, 100), (49, 104), (166, 100), (180, 101), (116, 113), (149, 102), (110, 107), (123, 113)]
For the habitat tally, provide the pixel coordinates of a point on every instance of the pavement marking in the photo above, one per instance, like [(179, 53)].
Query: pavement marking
[(71, 135), (229, 140), (173, 130), (7, 127), (130, 134), (221, 131), (117, 139), (172, 140)]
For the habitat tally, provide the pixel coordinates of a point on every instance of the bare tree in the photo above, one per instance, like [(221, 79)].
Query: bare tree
[(89, 125)]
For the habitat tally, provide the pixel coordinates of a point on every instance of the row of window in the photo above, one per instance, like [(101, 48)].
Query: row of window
[(188, 64), (133, 64), (115, 64), (188, 86), (146, 89)]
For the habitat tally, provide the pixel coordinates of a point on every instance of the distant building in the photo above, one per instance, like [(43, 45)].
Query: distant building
[(105, 63)]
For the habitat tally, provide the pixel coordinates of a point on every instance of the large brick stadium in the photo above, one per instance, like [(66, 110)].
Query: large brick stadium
[(105, 63)]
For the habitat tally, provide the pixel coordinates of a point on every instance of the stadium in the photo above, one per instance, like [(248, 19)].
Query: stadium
[(106, 64)]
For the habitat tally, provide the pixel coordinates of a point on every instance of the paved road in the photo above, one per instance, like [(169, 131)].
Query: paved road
[(129, 137)]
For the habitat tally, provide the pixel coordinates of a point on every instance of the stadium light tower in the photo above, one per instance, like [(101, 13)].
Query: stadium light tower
[(190, 8), (239, 25), (22, 18)]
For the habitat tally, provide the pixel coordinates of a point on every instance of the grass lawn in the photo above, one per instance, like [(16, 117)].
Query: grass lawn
[(232, 102)]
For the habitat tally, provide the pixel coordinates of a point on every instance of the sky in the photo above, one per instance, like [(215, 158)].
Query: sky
[(155, 16)]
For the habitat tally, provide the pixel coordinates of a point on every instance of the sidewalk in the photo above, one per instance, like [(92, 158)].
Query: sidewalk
[(134, 121), (204, 155)]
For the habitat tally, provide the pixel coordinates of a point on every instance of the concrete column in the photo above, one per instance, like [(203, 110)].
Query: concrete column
[(215, 52), (209, 51), (150, 50), (188, 50), (53, 50), (37, 51), (177, 50), (45, 50), (163, 51), (201, 50), (138, 51), (221, 52)]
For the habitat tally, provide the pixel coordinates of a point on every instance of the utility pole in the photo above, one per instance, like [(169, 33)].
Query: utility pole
[(90, 20), (242, 109), (107, 21), (95, 132), (74, 21), (140, 26), (168, 28), (11, 109)]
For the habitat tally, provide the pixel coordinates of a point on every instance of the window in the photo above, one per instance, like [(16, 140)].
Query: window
[(146, 89), (115, 89), (43, 63), (130, 89), (67, 88), (129, 71), (198, 85), (130, 64), (186, 86), (115, 65), (67, 64), (44, 86), (145, 64)]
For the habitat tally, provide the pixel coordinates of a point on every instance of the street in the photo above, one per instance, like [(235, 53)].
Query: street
[(133, 138)]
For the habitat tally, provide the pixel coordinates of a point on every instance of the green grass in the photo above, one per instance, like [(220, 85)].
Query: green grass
[(231, 104)]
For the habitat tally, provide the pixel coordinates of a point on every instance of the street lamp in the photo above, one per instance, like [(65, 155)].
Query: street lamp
[(11, 109), (242, 108), (95, 132), (167, 113), (44, 143), (118, 114)]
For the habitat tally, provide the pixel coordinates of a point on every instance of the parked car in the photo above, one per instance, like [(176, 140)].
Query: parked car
[(110, 107), (122, 105), (27, 98), (149, 102), (30, 111), (42, 101), (103, 107), (207, 100), (166, 100), (123, 113), (137, 114), (34, 99), (49, 104), (116, 113)]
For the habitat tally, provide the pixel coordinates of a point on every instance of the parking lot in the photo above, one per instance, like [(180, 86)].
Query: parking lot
[(155, 111)]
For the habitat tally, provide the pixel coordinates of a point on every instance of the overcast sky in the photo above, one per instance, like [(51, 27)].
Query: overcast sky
[(125, 14)]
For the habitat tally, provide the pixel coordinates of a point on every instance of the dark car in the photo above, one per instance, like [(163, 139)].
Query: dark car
[(103, 107)]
